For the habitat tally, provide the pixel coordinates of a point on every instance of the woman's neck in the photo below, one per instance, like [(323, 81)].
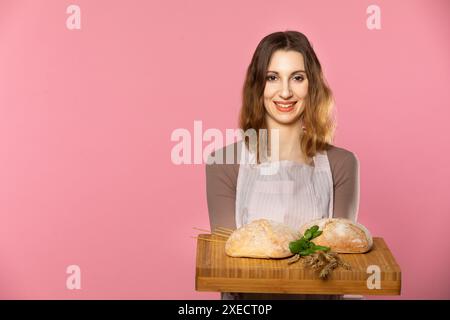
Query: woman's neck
[(289, 140)]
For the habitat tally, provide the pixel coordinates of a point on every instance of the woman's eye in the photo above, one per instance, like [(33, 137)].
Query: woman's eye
[(297, 78)]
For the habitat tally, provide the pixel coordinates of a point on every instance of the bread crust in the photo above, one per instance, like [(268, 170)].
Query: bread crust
[(341, 235), (261, 238)]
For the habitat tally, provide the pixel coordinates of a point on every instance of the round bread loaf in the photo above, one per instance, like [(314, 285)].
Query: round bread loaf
[(341, 235), (261, 238)]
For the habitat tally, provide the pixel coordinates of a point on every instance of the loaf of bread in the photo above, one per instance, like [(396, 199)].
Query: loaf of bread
[(261, 238), (341, 235)]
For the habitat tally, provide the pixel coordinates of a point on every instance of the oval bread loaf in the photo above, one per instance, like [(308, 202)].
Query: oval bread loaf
[(261, 238), (341, 235)]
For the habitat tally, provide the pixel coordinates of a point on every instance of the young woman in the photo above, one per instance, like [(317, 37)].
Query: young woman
[(284, 89)]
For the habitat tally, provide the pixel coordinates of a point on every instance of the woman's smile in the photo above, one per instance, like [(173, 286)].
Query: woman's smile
[(285, 106)]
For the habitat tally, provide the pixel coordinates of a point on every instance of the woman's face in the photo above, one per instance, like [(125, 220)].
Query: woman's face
[(286, 82)]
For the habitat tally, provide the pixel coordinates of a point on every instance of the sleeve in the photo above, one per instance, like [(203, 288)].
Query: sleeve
[(221, 195), (346, 188)]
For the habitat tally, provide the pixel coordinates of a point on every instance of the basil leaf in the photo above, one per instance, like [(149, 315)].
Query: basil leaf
[(297, 246), (316, 234), (305, 252), (314, 229), (294, 246), (321, 248), (308, 235)]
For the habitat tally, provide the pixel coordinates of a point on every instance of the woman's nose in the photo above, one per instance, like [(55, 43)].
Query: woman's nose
[(286, 91)]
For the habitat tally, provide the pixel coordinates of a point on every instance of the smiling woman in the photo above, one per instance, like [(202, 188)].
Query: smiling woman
[(284, 89)]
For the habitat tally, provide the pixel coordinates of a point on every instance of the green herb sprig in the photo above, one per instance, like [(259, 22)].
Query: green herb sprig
[(316, 257), (304, 246)]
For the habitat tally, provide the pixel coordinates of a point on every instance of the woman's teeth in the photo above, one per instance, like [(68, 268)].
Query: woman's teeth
[(285, 107)]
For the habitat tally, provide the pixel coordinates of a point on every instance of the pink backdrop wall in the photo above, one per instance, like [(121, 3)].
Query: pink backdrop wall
[(86, 116)]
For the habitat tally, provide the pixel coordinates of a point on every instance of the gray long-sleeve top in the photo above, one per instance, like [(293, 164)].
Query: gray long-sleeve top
[(221, 180)]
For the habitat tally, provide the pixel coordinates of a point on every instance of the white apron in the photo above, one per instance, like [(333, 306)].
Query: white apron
[(294, 193)]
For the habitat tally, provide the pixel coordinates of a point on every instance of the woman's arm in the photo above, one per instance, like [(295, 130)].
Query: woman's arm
[(345, 169), (221, 182)]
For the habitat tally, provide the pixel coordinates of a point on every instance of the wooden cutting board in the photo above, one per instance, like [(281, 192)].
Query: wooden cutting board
[(215, 271)]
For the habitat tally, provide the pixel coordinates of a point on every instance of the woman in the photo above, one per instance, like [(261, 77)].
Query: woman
[(284, 89)]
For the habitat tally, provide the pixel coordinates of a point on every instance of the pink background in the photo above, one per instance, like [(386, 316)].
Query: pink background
[(86, 117)]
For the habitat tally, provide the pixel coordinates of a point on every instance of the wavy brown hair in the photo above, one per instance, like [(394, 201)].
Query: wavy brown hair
[(317, 116)]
